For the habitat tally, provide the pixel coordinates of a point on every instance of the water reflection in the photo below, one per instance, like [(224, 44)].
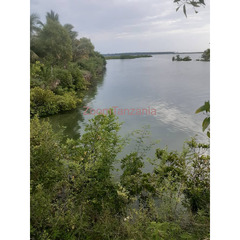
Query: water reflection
[(175, 89), (173, 116), (71, 120)]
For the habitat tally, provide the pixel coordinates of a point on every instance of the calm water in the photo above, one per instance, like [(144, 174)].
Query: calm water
[(174, 89)]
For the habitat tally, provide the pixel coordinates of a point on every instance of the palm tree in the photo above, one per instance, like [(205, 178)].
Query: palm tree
[(35, 24), (72, 34), (52, 16)]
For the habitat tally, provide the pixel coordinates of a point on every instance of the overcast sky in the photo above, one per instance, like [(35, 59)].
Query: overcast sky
[(132, 25)]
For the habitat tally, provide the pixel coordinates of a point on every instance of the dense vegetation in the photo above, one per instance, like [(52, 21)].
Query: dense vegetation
[(126, 56), (61, 65), (179, 59), (74, 194)]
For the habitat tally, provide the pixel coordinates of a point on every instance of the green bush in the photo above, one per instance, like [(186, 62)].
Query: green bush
[(43, 102), (74, 195), (64, 76), (95, 64), (36, 69), (67, 101), (72, 192), (35, 83), (77, 77)]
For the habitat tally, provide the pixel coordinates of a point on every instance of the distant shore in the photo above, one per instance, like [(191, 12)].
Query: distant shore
[(124, 56), (107, 55)]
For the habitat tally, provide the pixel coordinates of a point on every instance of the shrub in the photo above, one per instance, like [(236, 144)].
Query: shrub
[(43, 102), (77, 77), (74, 195), (94, 64), (35, 69), (35, 83), (64, 76), (67, 101)]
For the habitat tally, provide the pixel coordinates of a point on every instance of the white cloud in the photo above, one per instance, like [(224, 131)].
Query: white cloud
[(140, 25)]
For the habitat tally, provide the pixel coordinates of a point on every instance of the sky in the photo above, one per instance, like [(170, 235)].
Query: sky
[(116, 26)]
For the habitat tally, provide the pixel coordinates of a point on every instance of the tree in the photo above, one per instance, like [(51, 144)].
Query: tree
[(35, 24), (73, 34), (35, 28), (54, 43), (206, 55), (83, 48), (52, 16)]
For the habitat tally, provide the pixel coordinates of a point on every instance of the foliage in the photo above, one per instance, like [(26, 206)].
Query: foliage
[(206, 55), (36, 69), (178, 58), (72, 34), (73, 193), (206, 122), (83, 48), (44, 102), (93, 64), (54, 78), (197, 190), (68, 101), (64, 76), (71, 185), (77, 77), (74, 196), (54, 43), (193, 3), (52, 16), (35, 24)]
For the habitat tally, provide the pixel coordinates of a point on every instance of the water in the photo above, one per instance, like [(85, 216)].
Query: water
[(174, 89)]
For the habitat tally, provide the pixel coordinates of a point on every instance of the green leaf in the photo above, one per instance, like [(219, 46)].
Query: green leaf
[(205, 123), (202, 2), (205, 107), (194, 4), (177, 8), (208, 134), (184, 10)]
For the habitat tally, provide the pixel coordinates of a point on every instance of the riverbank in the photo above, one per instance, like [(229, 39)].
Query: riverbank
[(61, 65), (46, 100)]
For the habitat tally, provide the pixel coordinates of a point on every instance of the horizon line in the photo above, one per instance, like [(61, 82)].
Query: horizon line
[(156, 52)]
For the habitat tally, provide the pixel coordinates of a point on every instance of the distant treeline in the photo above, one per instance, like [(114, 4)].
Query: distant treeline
[(123, 56), (205, 57), (147, 53)]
